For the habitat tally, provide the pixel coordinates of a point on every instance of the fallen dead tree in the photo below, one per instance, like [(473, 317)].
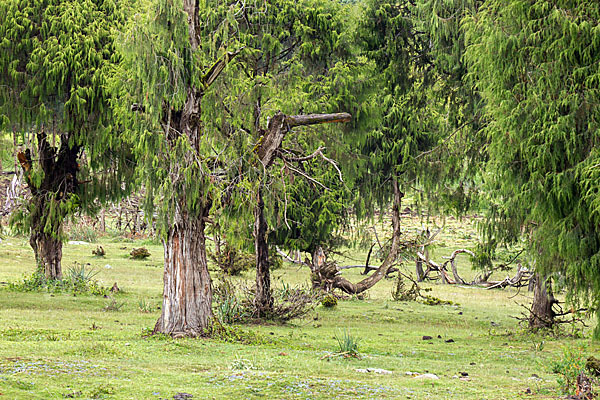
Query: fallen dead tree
[(327, 275), (521, 278)]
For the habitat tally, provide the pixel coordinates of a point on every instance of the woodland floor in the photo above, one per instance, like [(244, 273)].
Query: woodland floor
[(55, 346)]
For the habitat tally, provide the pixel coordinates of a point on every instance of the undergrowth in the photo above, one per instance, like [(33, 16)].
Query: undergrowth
[(78, 279)]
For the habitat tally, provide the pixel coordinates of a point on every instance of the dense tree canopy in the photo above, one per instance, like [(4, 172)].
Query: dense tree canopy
[(56, 60), (215, 103), (536, 65)]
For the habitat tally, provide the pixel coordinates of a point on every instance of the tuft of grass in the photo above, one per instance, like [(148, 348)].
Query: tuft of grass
[(83, 233), (347, 344), (145, 306)]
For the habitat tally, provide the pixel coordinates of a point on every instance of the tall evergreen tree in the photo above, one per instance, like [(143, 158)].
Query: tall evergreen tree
[(56, 58), (536, 65), (211, 128), (175, 52)]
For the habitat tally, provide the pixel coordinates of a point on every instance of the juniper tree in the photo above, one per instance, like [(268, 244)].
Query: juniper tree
[(288, 49), (536, 65), (56, 58), (175, 51), (204, 132), (388, 148)]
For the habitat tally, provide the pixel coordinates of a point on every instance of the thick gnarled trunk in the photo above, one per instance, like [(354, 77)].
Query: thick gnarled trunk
[(187, 293), (542, 315), (264, 299), (59, 183), (48, 254)]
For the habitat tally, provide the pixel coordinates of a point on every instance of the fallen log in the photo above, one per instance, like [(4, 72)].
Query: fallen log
[(520, 279)]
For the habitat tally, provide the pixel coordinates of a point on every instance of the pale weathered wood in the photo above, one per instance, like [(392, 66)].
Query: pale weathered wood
[(313, 119)]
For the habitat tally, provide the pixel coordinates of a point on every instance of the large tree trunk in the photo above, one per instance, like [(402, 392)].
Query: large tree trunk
[(48, 254), (59, 183), (264, 299), (542, 315), (187, 295)]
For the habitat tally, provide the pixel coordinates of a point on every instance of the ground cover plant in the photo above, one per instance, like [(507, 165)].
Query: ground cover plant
[(56, 345)]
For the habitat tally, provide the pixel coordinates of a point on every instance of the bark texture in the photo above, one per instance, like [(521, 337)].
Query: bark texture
[(542, 315), (48, 254), (187, 295)]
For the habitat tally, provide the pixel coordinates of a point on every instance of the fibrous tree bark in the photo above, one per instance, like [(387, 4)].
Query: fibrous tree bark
[(187, 296), (263, 299)]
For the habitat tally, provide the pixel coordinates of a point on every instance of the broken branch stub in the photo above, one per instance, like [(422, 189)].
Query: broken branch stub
[(280, 124)]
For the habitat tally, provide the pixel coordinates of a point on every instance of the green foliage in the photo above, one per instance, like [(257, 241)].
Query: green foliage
[(569, 367), (535, 64), (232, 261), (228, 308), (56, 59), (78, 279), (83, 232), (146, 306), (329, 301)]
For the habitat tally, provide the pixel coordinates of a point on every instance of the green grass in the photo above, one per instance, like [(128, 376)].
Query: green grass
[(54, 345)]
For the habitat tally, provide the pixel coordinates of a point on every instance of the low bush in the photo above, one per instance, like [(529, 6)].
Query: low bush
[(78, 279), (569, 367), (83, 232)]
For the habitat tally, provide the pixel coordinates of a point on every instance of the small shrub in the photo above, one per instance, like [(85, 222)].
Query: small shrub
[(348, 344), (234, 334), (140, 253), (229, 309), (78, 279), (292, 303), (232, 261), (569, 367), (101, 391), (329, 301), (288, 303)]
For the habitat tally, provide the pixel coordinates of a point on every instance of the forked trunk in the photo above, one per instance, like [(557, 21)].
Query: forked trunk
[(542, 315), (48, 254), (187, 295), (263, 299)]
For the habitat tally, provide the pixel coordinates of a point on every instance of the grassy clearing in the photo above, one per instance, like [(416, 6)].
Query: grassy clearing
[(57, 345)]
